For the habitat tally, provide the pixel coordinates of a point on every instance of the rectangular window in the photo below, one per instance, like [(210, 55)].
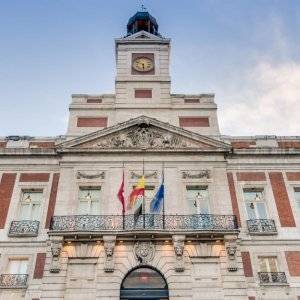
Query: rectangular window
[(89, 200), (297, 199), (255, 204), (268, 264), (30, 205), (149, 195), (191, 101), (197, 199), (17, 266)]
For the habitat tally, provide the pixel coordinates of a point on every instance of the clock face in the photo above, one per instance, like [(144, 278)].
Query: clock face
[(143, 64)]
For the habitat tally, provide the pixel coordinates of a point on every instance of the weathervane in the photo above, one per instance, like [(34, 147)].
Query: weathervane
[(143, 7)]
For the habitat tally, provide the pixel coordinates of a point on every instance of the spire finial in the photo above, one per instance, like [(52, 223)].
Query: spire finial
[(143, 7)]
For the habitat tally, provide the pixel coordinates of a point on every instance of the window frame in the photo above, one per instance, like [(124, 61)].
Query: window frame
[(197, 187), (89, 187), (262, 189), (21, 205)]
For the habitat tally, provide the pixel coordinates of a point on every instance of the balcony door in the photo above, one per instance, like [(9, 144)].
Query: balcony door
[(144, 283)]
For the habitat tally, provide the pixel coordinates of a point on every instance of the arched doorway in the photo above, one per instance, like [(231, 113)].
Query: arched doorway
[(144, 283)]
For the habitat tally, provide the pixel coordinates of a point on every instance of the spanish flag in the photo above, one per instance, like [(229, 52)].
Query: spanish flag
[(137, 194)]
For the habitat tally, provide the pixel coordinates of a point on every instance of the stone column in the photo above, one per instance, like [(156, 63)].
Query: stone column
[(109, 247), (178, 242)]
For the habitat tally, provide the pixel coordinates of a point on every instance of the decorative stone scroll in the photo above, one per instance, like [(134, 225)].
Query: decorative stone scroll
[(231, 249), (135, 175), (144, 252), (87, 175), (196, 174), (109, 247), (145, 136), (56, 246), (178, 242)]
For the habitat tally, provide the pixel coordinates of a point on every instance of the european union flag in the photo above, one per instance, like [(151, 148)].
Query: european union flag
[(158, 199)]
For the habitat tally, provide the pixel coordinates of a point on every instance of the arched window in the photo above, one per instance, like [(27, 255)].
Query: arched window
[(144, 283)]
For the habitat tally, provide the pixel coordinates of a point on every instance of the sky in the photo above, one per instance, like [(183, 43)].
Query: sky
[(246, 52)]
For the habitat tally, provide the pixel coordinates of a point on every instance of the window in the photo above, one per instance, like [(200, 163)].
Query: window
[(297, 199), (198, 199), (255, 204), (268, 264), (17, 266), (89, 200), (30, 204), (149, 195)]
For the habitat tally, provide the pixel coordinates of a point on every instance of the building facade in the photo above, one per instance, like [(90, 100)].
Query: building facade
[(230, 223)]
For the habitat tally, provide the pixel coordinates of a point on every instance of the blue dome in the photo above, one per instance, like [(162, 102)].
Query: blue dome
[(142, 20)]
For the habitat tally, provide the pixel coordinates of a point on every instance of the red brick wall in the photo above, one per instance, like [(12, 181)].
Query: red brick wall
[(3, 144), (281, 197), (193, 122), (52, 199), (293, 176), (143, 93), (289, 144), (247, 264), (92, 122), (34, 177), (42, 144), (234, 202), (242, 144), (293, 262), (6, 189), (251, 176), (39, 265)]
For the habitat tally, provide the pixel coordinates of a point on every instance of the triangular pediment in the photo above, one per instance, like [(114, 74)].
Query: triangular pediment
[(144, 134), (143, 35)]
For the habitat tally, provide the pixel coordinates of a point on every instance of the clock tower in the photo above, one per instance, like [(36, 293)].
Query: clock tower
[(142, 59), (143, 88)]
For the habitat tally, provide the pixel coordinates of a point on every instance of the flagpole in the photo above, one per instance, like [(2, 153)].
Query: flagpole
[(163, 182), (143, 210), (123, 206)]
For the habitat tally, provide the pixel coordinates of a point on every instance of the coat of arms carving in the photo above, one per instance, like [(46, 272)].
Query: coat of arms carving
[(144, 251)]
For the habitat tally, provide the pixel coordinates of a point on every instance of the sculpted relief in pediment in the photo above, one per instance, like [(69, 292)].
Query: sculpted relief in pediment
[(143, 136)]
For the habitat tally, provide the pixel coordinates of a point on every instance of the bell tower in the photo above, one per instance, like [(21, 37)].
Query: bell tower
[(142, 60)]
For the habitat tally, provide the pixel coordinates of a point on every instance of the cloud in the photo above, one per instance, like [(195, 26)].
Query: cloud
[(265, 98), (268, 103)]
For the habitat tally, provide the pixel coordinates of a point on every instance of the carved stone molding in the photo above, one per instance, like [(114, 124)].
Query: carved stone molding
[(56, 246), (144, 136), (231, 250), (144, 252), (178, 242), (196, 174), (89, 175), (109, 247), (148, 174)]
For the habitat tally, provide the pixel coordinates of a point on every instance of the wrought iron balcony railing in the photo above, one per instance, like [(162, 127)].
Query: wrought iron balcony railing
[(17, 281), (144, 222), (261, 226), (24, 228), (272, 277)]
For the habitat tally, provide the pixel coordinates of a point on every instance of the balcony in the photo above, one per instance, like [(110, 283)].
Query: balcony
[(24, 228), (277, 278), (143, 223), (13, 281), (261, 226)]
